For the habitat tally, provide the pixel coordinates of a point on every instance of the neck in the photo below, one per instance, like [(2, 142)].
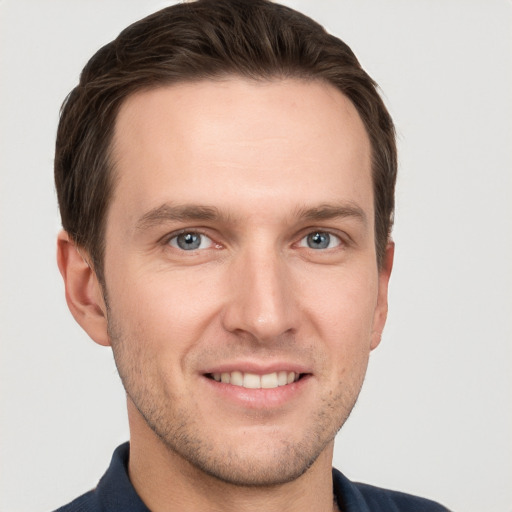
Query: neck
[(166, 482)]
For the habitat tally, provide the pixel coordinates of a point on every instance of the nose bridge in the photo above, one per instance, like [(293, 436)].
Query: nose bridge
[(261, 299)]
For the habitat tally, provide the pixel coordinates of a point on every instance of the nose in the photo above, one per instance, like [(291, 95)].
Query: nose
[(262, 302)]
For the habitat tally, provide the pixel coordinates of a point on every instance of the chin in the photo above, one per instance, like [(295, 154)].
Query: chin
[(273, 464), (250, 457)]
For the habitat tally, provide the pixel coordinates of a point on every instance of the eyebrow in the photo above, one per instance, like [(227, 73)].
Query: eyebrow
[(168, 212), (332, 211)]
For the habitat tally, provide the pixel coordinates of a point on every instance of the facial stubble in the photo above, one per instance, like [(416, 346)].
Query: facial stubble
[(186, 436)]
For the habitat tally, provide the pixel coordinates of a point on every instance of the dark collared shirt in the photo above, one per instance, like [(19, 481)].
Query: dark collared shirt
[(115, 493)]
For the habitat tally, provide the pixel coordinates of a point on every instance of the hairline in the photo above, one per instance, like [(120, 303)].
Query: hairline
[(111, 162)]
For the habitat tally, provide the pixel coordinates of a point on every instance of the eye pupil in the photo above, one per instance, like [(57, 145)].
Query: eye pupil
[(189, 241), (319, 240)]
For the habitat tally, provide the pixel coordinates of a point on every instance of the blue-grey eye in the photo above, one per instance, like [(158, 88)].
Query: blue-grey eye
[(190, 241), (320, 240)]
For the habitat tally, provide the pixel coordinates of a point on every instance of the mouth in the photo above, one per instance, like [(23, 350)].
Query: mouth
[(255, 381)]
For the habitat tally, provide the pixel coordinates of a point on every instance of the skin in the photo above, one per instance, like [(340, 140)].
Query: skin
[(253, 168)]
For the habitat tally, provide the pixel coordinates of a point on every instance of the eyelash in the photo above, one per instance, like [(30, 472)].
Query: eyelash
[(302, 242), (331, 237), (174, 236)]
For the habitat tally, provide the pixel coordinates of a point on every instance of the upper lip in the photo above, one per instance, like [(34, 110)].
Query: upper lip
[(257, 368)]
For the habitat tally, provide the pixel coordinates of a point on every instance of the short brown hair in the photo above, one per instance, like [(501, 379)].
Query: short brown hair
[(205, 39)]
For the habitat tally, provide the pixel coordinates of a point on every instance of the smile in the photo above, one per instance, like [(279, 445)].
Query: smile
[(255, 381)]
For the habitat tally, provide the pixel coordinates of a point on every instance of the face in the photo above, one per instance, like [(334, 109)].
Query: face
[(243, 291)]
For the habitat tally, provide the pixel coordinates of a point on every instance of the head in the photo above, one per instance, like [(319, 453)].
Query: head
[(226, 169), (189, 42)]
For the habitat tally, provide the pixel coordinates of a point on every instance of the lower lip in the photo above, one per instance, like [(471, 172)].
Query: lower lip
[(261, 398)]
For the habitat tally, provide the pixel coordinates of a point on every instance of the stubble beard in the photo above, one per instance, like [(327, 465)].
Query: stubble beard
[(186, 436)]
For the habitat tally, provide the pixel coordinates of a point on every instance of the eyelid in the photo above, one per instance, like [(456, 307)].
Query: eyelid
[(344, 238), (333, 237), (166, 240)]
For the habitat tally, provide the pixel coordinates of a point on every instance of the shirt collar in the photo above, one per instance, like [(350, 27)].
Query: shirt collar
[(116, 492)]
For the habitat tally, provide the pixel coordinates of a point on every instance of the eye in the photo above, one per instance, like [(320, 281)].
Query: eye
[(320, 240), (190, 241)]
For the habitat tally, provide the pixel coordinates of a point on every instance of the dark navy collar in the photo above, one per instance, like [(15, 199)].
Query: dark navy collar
[(115, 493)]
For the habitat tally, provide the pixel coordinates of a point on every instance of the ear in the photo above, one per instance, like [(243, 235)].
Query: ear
[(381, 310), (83, 291)]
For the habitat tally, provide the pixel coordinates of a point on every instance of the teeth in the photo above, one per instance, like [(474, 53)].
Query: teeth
[(282, 378), (237, 378), (254, 381), (269, 381)]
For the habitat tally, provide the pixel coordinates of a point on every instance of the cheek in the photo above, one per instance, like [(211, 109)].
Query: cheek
[(342, 316), (162, 309), (344, 306)]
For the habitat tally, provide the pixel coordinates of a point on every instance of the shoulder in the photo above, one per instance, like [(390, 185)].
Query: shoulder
[(357, 496), (114, 491), (395, 501), (88, 502)]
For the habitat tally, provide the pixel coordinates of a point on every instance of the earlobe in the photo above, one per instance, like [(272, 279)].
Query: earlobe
[(83, 291), (381, 311)]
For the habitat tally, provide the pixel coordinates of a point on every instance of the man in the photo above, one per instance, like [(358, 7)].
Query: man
[(225, 173)]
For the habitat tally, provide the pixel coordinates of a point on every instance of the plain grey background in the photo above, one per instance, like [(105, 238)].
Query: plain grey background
[(435, 415)]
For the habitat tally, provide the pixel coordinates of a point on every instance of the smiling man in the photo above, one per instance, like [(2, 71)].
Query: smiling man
[(225, 173)]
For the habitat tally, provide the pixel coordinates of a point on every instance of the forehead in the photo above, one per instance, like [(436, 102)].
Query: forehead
[(237, 141)]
